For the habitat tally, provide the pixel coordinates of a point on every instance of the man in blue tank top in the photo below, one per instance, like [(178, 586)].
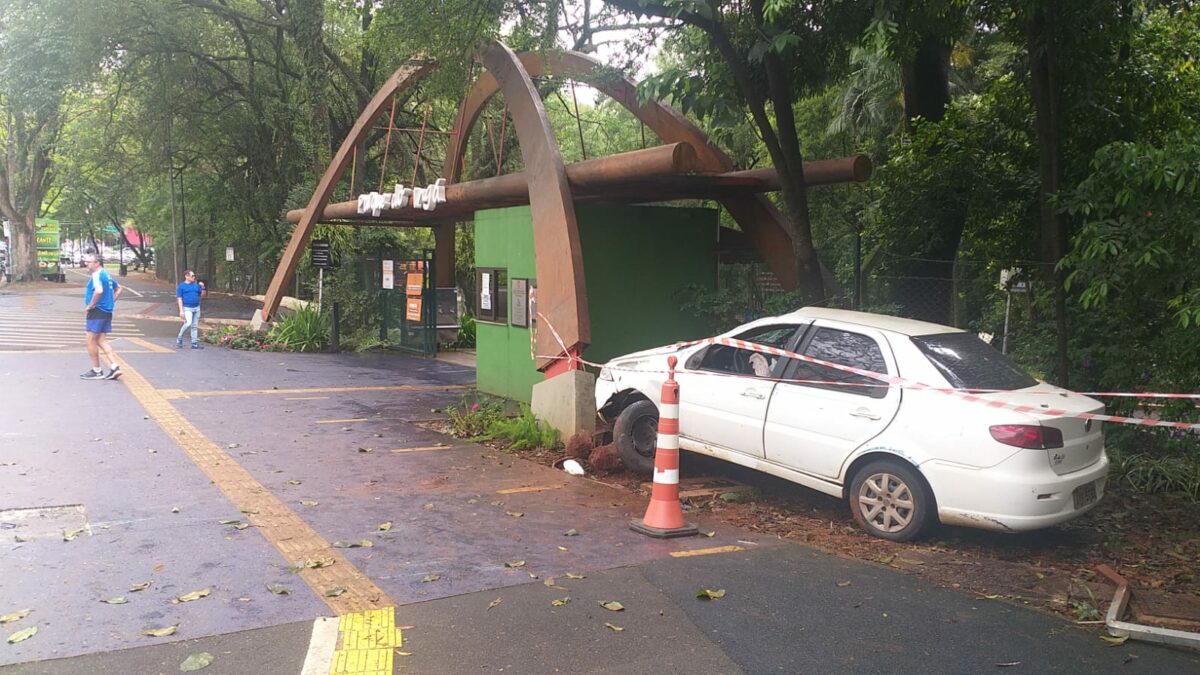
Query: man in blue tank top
[(100, 299)]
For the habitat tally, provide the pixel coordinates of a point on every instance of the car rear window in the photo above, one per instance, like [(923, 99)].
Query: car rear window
[(970, 363)]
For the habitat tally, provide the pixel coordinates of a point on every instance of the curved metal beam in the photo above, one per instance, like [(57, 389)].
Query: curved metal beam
[(760, 220), (562, 294), (402, 79)]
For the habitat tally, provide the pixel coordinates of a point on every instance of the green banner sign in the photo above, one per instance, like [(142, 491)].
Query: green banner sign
[(47, 246)]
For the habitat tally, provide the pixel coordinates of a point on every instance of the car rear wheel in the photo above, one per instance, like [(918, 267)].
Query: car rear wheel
[(889, 500), (635, 434)]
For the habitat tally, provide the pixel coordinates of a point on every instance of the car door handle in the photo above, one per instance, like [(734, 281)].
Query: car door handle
[(863, 412), (754, 393)]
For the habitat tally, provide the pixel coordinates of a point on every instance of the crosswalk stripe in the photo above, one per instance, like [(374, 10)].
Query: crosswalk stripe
[(31, 326)]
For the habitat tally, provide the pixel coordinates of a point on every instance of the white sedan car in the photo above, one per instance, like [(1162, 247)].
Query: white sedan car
[(900, 456)]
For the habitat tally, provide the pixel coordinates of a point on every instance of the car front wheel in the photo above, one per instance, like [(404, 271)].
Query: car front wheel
[(889, 500), (635, 434)]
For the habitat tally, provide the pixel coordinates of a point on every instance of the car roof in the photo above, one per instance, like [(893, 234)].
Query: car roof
[(894, 324)]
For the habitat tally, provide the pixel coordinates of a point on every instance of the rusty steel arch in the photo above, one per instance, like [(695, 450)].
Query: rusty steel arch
[(562, 291), (404, 77), (762, 223)]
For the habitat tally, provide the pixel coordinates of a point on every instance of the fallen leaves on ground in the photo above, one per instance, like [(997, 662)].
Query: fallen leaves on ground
[(612, 605), (161, 632), (335, 591), (22, 635), (430, 577), (68, 535), (572, 575), (515, 563), (197, 661), (118, 600), (495, 603), (843, 584), (1114, 641), (310, 503), (278, 589), (559, 602), (15, 616), (384, 527), (613, 627), (515, 514), (709, 594), (317, 563), (571, 532), (194, 595), (365, 543)]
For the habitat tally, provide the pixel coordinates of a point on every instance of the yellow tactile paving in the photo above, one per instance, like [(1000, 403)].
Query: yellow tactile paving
[(706, 551), (324, 390), (149, 345), (368, 641), (285, 530)]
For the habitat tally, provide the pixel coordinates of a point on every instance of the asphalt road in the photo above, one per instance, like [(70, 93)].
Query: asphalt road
[(154, 474)]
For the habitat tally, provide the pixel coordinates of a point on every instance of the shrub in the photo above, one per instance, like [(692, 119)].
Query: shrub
[(525, 431), (472, 419), (306, 330), (244, 338)]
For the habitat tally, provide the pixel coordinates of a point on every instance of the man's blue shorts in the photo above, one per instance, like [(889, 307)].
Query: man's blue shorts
[(98, 321)]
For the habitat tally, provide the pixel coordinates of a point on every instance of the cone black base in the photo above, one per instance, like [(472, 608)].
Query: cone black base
[(687, 530)]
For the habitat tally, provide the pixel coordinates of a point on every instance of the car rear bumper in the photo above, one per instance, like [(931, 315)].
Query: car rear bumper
[(1004, 497)]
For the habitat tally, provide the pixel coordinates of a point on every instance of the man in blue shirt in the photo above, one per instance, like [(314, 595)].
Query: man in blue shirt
[(100, 298), (187, 296)]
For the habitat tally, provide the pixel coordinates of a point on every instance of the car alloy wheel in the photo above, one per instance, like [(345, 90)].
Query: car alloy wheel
[(889, 500)]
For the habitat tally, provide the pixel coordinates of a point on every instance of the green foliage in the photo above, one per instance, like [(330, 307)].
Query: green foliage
[(305, 330), (524, 431), (471, 419), (244, 338), (1139, 240), (466, 332), (1156, 460), (740, 299)]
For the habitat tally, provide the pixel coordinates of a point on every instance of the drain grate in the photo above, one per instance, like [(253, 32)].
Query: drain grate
[(43, 522)]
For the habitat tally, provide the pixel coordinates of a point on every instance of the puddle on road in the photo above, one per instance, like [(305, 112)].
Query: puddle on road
[(44, 522)]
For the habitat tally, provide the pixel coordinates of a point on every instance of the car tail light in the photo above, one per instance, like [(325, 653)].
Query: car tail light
[(1027, 436)]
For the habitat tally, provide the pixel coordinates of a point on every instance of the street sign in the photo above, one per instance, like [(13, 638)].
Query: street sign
[(228, 254), (319, 254), (389, 277)]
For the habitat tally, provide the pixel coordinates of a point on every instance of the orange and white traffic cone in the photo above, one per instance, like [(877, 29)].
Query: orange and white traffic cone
[(664, 516)]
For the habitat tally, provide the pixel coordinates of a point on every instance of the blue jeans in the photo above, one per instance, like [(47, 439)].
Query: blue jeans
[(191, 319)]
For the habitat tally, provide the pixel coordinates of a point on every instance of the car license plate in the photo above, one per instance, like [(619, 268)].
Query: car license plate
[(1084, 495)]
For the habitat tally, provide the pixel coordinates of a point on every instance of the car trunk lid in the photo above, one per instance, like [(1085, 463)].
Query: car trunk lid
[(1050, 406)]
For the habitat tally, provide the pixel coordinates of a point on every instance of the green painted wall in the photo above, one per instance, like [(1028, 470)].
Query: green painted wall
[(637, 261)]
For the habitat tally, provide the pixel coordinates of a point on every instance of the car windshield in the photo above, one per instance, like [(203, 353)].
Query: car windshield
[(969, 363)]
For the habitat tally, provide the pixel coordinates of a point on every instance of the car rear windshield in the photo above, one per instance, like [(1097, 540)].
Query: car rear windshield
[(969, 363)]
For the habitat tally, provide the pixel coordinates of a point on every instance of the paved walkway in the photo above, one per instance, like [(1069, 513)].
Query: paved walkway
[(253, 480)]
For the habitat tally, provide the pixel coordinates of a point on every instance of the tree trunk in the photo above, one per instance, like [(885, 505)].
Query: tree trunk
[(24, 251), (925, 290), (1044, 92)]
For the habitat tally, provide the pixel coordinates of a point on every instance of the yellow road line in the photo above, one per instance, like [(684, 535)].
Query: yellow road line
[(295, 540), (149, 345), (532, 488), (706, 551), (368, 643), (352, 419), (426, 448), (331, 390)]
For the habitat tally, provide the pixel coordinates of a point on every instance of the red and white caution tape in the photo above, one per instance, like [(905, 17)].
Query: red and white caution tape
[(972, 395)]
